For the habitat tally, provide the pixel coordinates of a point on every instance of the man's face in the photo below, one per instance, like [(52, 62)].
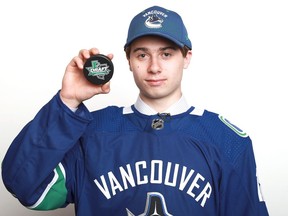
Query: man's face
[(157, 65)]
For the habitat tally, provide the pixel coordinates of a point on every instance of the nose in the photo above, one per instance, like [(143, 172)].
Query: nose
[(154, 66)]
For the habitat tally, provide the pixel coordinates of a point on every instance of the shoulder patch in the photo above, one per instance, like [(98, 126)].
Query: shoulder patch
[(233, 127)]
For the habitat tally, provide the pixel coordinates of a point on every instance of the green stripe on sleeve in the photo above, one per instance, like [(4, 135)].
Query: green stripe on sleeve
[(54, 196)]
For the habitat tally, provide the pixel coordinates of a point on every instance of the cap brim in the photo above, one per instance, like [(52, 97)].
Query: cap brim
[(157, 34)]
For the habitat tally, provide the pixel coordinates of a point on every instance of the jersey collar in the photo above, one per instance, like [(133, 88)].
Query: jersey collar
[(179, 107)]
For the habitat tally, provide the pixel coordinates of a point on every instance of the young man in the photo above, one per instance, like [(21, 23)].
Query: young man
[(158, 157)]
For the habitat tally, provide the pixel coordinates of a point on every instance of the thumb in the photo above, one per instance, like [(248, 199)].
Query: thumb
[(106, 88)]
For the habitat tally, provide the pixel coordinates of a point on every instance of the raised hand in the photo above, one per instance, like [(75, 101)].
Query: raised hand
[(75, 87)]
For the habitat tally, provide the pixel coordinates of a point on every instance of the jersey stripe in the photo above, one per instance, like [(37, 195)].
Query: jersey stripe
[(233, 127), (54, 196)]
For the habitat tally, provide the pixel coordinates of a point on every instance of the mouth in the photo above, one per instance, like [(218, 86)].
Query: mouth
[(155, 82)]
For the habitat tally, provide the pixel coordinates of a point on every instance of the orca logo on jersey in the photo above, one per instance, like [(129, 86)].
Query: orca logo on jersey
[(233, 127), (155, 206)]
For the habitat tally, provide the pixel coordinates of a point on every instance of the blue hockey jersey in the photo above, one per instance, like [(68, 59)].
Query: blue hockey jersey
[(119, 161)]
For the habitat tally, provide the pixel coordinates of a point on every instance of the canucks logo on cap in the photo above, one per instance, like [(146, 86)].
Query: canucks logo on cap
[(153, 21)]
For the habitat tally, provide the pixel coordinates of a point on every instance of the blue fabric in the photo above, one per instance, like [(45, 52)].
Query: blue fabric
[(159, 21), (118, 164)]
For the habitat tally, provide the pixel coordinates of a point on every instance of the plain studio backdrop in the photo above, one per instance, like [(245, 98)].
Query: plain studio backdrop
[(238, 66)]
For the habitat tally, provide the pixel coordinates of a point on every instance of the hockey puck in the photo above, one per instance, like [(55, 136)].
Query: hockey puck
[(98, 69)]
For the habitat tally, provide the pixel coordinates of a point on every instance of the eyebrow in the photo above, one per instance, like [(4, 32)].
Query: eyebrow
[(161, 49)]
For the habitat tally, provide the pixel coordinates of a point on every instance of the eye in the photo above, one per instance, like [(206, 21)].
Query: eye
[(142, 56), (166, 55)]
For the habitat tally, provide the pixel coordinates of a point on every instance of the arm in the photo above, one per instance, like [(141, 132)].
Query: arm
[(241, 193), (34, 166), (33, 159)]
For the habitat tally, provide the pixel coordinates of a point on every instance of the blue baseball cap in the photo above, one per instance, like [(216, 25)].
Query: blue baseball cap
[(159, 21)]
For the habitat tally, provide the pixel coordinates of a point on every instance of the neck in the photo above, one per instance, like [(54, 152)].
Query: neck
[(160, 105)]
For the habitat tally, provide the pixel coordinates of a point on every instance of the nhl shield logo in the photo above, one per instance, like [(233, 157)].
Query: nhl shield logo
[(155, 206)]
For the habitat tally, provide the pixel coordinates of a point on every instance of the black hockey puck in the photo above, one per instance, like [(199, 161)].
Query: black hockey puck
[(98, 69)]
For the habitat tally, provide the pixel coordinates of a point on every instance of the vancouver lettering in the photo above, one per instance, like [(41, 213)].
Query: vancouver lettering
[(155, 12), (155, 172)]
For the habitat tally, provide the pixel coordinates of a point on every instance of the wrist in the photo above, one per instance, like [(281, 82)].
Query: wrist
[(69, 102)]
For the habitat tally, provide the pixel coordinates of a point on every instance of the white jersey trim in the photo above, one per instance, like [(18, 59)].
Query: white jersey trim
[(49, 186), (179, 107), (197, 111)]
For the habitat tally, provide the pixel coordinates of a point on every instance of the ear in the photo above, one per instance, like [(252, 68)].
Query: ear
[(187, 59)]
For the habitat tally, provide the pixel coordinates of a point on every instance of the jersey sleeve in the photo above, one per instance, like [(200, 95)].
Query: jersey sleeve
[(240, 189), (32, 169)]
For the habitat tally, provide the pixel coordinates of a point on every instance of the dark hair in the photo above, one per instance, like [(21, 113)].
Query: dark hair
[(184, 50)]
